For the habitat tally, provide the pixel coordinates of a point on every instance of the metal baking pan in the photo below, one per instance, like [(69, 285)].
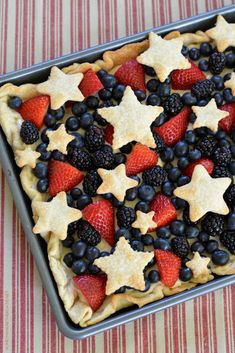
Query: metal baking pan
[(39, 73)]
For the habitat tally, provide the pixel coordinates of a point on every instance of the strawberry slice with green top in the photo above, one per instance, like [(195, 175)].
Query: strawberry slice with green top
[(164, 209), (62, 177), (205, 162), (90, 83), (35, 109), (140, 159), (131, 73), (174, 129), (100, 215), (228, 123), (93, 288), (169, 266), (185, 78)]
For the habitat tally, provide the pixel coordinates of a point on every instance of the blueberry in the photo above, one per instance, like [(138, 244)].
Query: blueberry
[(153, 99), (231, 221), (136, 178), (227, 76), (83, 201), (147, 239), (168, 166), (189, 99), (41, 170), (185, 274), (92, 253), (184, 50), (206, 49), (163, 232), (101, 73), (92, 102), (86, 120), (194, 53), (68, 241), (72, 123), (131, 194), (109, 81), (167, 188), (195, 154), (120, 290), (182, 163), (136, 234), (178, 202), (149, 71), (192, 118), (153, 276), (162, 244), (218, 98), (192, 232), (224, 143), (220, 134), (108, 196), (228, 97), (181, 149), (232, 149), (122, 232), (147, 285), (190, 137), (218, 81), (231, 167), (79, 267), (164, 90), (152, 85), (79, 108), (211, 245), (146, 192), (14, 102), (161, 119), (197, 246), (45, 155), (92, 268), (105, 94), (116, 202), (50, 120), (44, 136), (79, 248), (104, 253), (126, 148), (58, 113), (119, 158), (137, 245), (230, 60), (59, 156), (140, 94), (220, 257), (78, 142), (142, 206), (203, 65), (151, 263), (68, 259), (202, 102), (203, 237), (177, 227), (174, 173), (75, 193), (183, 179), (167, 155), (118, 92), (42, 185)]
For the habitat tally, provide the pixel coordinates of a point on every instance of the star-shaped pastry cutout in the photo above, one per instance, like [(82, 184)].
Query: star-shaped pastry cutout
[(124, 267), (26, 157), (204, 194), (208, 116), (59, 139), (61, 87), (164, 56), (231, 83), (223, 34), (55, 216), (144, 221), (131, 120), (198, 265), (115, 181)]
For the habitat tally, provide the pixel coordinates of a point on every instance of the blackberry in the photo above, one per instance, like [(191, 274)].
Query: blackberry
[(203, 89), (213, 224), (72, 228), (29, 133), (173, 104), (222, 156), (94, 138), (229, 195), (217, 63), (180, 246), (104, 159), (206, 145), (80, 159), (221, 171), (125, 217), (154, 176), (91, 182), (228, 240), (88, 233), (160, 144)]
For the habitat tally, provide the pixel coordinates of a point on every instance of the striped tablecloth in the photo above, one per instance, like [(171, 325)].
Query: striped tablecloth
[(35, 30)]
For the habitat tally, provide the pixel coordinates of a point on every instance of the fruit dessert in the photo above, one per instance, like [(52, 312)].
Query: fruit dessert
[(129, 163)]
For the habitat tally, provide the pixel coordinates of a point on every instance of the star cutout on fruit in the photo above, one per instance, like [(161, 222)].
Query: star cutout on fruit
[(208, 116), (164, 56), (115, 181), (55, 216), (61, 87), (223, 34), (59, 139), (124, 267), (144, 221), (204, 194), (131, 120)]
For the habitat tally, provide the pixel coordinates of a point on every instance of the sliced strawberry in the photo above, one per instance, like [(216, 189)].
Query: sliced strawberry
[(185, 79), (140, 158), (205, 162), (108, 133), (90, 83), (93, 288), (174, 129), (100, 215), (228, 123), (62, 177), (164, 209), (35, 109), (131, 73), (169, 266)]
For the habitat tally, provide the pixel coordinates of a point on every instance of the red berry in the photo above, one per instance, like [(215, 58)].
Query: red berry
[(35, 109), (185, 78), (140, 159), (228, 123), (90, 83), (164, 209), (169, 266), (205, 162), (131, 73)]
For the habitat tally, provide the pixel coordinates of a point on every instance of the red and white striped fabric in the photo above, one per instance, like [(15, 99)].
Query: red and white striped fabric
[(32, 31)]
